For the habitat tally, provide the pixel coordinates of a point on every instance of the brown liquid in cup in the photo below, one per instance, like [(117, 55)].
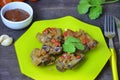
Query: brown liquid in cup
[(16, 15)]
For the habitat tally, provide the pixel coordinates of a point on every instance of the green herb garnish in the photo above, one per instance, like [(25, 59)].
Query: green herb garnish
[(92, 7), (71, 43)]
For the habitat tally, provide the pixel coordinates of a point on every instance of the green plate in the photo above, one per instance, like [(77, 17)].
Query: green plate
[(88, 69)]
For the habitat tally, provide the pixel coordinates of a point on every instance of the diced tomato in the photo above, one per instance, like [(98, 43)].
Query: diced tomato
[(85, 40), (68, 57), (55, 42), (74, 34), (53, 29), (65, 33), (69, 33), (62, 57), (78, 57), (45, 32)]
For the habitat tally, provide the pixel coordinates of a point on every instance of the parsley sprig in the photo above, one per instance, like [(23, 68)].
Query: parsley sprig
[(71, 44), (92, 7)]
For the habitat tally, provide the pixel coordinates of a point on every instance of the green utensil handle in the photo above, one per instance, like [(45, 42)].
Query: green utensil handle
[(113, 61)]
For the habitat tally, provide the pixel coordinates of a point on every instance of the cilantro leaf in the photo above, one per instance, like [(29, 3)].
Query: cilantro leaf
[(68, 48), (71, 39), (83, 6), (95, 7), (95, 12), (71, 43), (79, 46)]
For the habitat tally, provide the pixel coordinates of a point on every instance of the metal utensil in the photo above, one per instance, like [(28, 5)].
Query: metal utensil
[(109, 32), (117, 21)]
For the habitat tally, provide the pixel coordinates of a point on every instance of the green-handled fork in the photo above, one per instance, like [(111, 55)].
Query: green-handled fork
[(109, 32)]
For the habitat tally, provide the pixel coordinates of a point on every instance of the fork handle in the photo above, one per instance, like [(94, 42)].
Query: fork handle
[(113, 61)]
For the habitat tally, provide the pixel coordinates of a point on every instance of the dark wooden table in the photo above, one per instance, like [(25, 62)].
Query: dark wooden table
[(49, 9)]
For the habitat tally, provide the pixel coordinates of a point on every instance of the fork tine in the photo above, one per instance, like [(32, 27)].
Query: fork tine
[(105, 24), (113, 24), (109, 25), (109, 22)]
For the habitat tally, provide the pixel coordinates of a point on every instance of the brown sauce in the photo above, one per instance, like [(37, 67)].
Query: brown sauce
[(16, 15)]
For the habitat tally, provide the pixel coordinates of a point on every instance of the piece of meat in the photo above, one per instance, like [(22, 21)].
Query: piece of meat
[(68, 61), (40, 57), (84, 38), (51, 39), (48, 34), (43, 38)]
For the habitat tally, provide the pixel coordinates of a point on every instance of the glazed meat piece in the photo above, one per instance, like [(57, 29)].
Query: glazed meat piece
[(68, 61), (87, 40), (40, 57), (84, 37), (52, 40), (53, 35)]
